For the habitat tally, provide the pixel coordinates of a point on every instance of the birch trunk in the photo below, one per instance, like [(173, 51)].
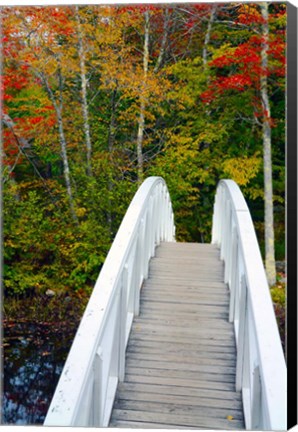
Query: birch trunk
[(141, 122), (112, 125), (64, 157), (58, 110), (84, 93), (204, 57), (164, 41), (111, 141), (207, 36), (267, 159)]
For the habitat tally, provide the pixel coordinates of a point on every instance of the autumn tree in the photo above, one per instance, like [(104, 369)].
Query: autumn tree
[(246, 70)]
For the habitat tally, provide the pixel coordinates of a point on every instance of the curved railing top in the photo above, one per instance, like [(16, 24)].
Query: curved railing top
[(271, 357)]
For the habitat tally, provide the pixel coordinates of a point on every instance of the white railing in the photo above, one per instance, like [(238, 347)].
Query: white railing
[(261, 369), (87, 386)]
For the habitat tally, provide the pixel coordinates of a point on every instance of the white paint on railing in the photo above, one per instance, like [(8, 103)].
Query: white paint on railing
[(87, 386), (261, 368)]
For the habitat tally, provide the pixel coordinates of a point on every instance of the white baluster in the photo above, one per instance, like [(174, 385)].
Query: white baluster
[(98, 402)]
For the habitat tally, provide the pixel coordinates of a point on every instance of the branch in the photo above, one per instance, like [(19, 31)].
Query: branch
[(21, 151), (233, 23)]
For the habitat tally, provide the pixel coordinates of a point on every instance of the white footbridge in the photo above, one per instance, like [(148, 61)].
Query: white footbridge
[(177, 335)]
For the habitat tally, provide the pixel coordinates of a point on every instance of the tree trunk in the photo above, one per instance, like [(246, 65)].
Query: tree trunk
[(112, 125), (207, 36), (58, 111), (84, 93), (164, 41), (266, 131), (205, 61), (66, 170), (141, 122), (111, 141)]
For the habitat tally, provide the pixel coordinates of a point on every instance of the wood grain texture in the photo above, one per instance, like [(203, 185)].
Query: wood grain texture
[(181, 355)]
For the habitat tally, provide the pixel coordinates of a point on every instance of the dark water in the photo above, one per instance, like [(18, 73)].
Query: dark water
[(33, 358)]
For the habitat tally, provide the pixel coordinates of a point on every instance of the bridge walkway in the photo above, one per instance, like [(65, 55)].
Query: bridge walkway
[(181, 355)]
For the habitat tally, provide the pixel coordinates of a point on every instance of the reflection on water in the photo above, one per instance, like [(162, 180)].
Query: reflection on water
[(34, 356)]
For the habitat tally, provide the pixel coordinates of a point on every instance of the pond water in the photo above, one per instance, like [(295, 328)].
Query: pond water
[(33, 358)]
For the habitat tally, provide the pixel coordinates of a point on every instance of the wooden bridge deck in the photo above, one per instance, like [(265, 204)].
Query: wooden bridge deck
[(181, 355)]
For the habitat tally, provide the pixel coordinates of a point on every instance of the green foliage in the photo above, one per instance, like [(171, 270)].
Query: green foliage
[(44, 250)]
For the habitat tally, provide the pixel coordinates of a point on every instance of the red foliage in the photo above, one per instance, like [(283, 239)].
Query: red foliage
[(140, 9), (234, 82), (250, 18), (207, 96), (35, 120), (222, 61)]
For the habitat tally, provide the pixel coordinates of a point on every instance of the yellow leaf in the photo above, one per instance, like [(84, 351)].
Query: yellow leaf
[(229, 417)]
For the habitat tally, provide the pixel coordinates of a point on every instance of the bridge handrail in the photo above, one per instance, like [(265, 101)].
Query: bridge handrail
[(86, 390), (261, 368)]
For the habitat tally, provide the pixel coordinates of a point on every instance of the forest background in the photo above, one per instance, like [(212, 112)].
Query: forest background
[(97, 98)]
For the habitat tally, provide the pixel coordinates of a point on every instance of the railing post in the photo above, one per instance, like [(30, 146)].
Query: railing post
[(152, 227), (147, 246), (98, 407), (122, 322), (256, 400), (141, 248), (138, 275), (234, 275), (241, 334)]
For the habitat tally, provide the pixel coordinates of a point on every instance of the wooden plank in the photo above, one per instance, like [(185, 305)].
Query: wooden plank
[(186, 346), (186, 278), (214, 309), (183, 249), (175, 400), (130, 424), (163, 391), (188, 258), (188, 335), (181, 292), (158, 328), (181, 268), (182, 262), (186, 360), (188, 245), (182, 382), (191, 260), (180, 366), (177, 419), (174, 303), (188, 299), (202, 313), (178, 292), (195, 354), (186, 321), (193, 315), (183, 374), (202, 343), (164, 281), (181, 409), (202, 288)]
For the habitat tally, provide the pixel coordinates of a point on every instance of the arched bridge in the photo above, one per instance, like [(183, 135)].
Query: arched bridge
[(177, 335)]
